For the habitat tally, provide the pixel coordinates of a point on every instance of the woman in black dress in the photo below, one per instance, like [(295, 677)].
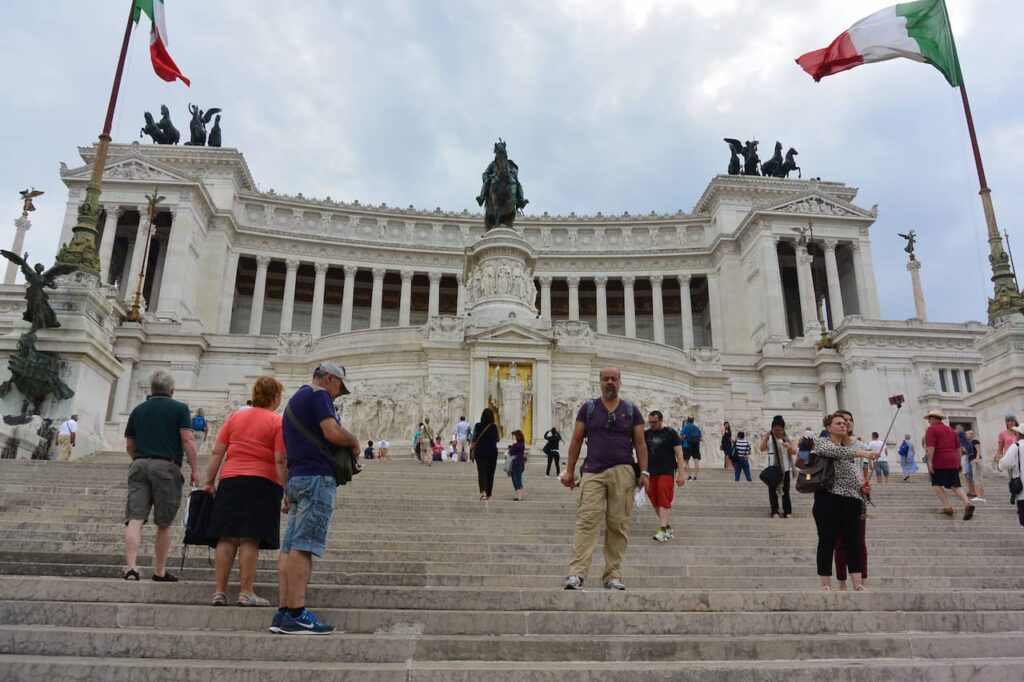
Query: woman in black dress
[(726, 445), (553, 438), (485, 451)]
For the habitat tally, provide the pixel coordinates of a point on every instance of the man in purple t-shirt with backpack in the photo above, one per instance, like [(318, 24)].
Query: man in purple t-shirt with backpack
[(613, 428)]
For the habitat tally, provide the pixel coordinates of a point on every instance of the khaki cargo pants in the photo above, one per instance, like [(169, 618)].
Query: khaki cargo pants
[(608, 496)]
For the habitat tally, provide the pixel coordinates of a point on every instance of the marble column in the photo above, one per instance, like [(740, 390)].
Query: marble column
[(914, 268), (460, 300), (258, 295), (135, 264), (657, 309), (601, 283), (106, 242), (805, 282), (124, 385), (405, 303), (831, 396), (347, 294), (835, 290), (630, 304), (316, 323), (288, 303), (545, 297), (574, 298), (715, 311), (867, 295), (686, 310), (434, 302), (774, 303), (377, 297), (21, 226), (227, 300), (175, 299)]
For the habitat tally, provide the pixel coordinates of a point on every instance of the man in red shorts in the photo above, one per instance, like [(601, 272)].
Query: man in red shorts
[(665, 460)]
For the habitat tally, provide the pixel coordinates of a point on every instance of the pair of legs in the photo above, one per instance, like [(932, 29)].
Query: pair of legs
[(840, 556), (691, 459), (248, 552), (742, 465), (979, 487), (485, 468), (946, 478), (311, 502), (773, 497), (836, 516), (517, 483), (553, 458), (133, 540), (606, 496)]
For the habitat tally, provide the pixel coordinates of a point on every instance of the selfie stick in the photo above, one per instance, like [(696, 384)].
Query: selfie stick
[(871, 471)]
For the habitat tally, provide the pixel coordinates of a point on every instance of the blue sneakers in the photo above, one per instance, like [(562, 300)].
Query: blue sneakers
[(305, 624), (275, 625)]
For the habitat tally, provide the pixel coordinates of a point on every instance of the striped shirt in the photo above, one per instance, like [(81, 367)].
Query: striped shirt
[(742, 447)]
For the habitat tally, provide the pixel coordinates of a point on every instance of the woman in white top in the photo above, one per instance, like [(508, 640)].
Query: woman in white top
[(780, 453), (1011, 462)]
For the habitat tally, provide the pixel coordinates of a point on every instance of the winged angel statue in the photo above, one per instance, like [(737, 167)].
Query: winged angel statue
[(38, 313)]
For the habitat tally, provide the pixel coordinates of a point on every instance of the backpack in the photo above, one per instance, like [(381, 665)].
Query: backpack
[(592, 403), (199, 423), (693, 435), (904, 449)]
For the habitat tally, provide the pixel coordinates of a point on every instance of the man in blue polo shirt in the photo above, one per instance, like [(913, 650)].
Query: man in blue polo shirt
[(310, 492), (613, 428), (157, 432)]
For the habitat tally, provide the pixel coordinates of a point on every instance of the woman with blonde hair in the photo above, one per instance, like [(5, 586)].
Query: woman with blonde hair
[(250, 458)]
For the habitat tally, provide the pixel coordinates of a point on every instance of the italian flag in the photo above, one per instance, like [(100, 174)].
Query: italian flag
[(914, 30), (162, 62)]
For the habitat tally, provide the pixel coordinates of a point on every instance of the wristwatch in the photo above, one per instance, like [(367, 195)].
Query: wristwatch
[(645, 473)]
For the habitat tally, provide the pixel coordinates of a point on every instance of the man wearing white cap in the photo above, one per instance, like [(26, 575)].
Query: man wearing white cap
[(943, 448), (310, 424)]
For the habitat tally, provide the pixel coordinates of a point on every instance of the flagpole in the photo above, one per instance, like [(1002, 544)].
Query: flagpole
[(81, 250), (1007, 299)]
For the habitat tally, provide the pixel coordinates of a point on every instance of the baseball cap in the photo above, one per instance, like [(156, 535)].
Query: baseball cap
[(338, 371)]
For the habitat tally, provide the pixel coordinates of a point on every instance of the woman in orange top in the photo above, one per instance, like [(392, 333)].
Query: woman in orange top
[(247, 503)]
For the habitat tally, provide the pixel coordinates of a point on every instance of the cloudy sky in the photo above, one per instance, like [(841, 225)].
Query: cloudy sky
[(607, 105)]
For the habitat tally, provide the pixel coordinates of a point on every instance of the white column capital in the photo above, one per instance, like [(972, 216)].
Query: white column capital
[(913, 265), (829, 245), (114, 211), (601, 281), (350, 270), (656, 280), (855, 245), (378, 273), (434, 277), (684, 280), (458, 278), (572, 281), (292, 263), (321, 268), (406, 275), (628, 280), (545, 280), (262, 261)]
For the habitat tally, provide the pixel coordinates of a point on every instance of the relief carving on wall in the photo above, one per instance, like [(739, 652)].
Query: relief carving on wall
[(295, 343), (573, 333), (444, 328)]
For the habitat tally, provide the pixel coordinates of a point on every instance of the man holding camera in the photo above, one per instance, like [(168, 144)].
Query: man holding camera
[(310, 492)]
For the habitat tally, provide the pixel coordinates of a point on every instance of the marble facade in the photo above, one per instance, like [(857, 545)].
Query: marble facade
[(717, 312)]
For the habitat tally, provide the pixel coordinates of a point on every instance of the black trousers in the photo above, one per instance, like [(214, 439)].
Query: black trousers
[(553, 458), (837, 516), (773, 497), (485, 468)]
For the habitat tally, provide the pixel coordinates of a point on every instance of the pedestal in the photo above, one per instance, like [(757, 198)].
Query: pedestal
[(914, 268), (499, 281)]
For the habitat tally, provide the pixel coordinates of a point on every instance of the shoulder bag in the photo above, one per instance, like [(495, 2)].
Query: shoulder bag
[(819, 473), (772, 475), (341, 458), (1016, 485), (476, 439)]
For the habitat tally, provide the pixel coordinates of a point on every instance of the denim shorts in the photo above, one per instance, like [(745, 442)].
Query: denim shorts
[(309, 519)]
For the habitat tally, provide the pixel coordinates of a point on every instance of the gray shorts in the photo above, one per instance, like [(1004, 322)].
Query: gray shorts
[(153, 484)]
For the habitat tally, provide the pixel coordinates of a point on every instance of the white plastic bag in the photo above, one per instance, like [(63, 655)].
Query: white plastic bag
[(639, 498)]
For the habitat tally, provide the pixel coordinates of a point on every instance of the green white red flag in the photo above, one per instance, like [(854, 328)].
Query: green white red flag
[(914, 30), (162, 62)]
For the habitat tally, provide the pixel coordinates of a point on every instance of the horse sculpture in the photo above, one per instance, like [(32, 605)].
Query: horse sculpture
[(502, 192), (777, 168), (789, 164), (163, 132)]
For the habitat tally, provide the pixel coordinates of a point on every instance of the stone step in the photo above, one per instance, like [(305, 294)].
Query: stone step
[(47, 668), (442, 622)]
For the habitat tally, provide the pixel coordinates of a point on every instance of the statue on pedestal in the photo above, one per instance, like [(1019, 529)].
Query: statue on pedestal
[(911, 238), (38, 312), (501, 192), (197, 126), (163, 132)]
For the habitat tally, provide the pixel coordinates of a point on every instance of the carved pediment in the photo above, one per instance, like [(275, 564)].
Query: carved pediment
[(509, 332), (818, 205), (131, 169)]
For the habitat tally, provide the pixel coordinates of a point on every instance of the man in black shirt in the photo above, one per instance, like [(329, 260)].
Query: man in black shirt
[(666, 463)]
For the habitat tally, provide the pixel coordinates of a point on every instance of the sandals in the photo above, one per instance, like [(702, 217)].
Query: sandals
[(251, 600), (968, 512), (220, 598), (826, 588), (948, 511), (167, 577), (860, 588), (131, 574)]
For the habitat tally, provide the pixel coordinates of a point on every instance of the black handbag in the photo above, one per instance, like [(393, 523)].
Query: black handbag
[(197, 519), (772, 474), (818, 474), (1016, 485), (341, 458)]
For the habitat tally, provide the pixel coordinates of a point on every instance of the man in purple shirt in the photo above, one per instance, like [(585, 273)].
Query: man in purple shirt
[(613, 428)]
